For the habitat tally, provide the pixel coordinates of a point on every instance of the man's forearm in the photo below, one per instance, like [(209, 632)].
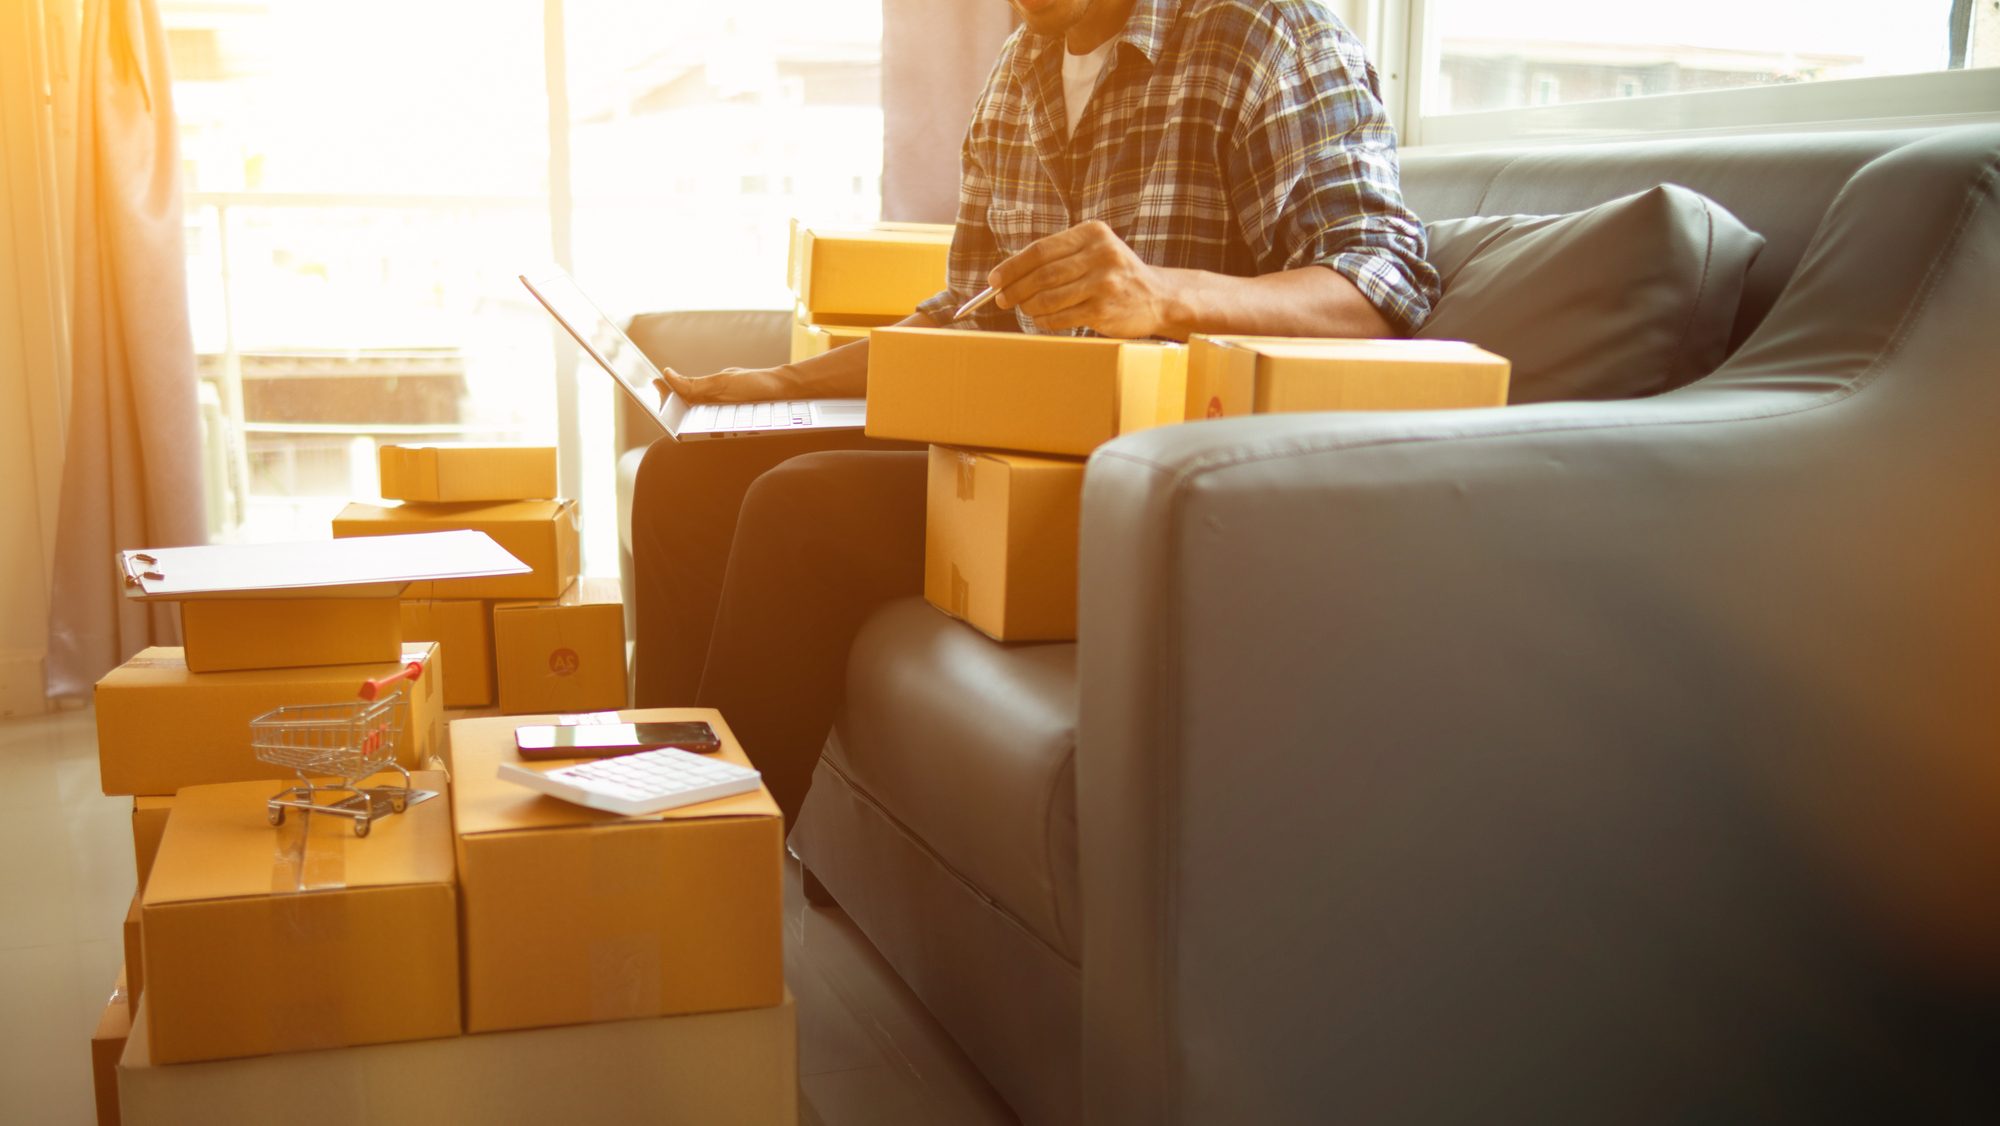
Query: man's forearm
[(842, 373), (1310, 301)]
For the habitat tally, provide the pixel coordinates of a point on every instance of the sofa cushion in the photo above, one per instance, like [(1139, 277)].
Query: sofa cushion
[(1629, 298), (970, 745)]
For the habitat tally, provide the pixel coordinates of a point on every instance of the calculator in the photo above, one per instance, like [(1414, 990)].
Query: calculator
[(647, 782)]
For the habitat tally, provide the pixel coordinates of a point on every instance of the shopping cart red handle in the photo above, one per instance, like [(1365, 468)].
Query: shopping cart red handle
[(373, 688)]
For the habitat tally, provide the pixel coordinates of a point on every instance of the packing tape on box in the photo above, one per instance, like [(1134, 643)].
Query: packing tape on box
[(625, 969), (968, 468), (961, 593), (311, 856)]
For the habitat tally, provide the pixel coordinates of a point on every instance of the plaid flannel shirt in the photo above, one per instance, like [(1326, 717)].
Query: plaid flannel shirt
[(1235, 136)]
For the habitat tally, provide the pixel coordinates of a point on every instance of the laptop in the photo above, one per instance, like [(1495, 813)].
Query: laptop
[(683, 421)]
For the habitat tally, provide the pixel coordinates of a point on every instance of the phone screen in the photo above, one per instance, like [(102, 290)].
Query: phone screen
[(602, 737)]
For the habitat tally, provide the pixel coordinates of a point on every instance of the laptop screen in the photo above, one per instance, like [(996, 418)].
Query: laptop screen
[(605, 341)]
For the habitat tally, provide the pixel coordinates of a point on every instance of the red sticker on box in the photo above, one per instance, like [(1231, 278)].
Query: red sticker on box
[(564, 662)]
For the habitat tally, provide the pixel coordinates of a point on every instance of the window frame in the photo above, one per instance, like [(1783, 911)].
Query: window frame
[(1404, 30)]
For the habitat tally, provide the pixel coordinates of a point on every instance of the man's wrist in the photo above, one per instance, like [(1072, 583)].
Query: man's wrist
[(1180, 303)]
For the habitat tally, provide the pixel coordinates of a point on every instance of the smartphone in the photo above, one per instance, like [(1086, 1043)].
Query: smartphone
[(608, 740)]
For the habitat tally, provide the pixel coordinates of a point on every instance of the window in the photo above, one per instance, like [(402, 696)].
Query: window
[(1486, 71), (365, 180)]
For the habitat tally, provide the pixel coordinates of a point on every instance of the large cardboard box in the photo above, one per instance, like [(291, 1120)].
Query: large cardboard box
[(161, 727), (107, 1044), (228, 634), (149, 820), (572, 915), (262, 939), (541, 533), (456, 472), (1000, 542), (463, 629), (1013, 391), (1231, 376), (883, 271), (562, 656), (716, 1068), (133, 979), (809, 340)]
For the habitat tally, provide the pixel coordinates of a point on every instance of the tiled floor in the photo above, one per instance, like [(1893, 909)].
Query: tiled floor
[(868, 1051)]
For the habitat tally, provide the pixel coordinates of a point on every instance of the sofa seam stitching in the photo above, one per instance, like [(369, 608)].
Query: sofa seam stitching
[(904, 830)]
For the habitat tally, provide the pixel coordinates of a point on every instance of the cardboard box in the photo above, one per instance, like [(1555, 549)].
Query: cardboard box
[(302, 936), (107, 1044), (541, 533), (809, 340), (133, 978), (149, 820), (734, 1067), (562, 656), (161, 727), (1000, 541), (571, 915), (456, 472), (1231, 376), (463, 629), (878, 271), (228, 634), (1013, 391)]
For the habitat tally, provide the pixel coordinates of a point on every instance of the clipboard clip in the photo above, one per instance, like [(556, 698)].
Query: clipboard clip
[(140, 568)]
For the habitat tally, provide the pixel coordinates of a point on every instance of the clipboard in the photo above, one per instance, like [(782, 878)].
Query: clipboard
[(361, 567)]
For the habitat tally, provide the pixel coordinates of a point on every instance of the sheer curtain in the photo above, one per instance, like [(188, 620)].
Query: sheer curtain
[(935, 58), (132, 469)]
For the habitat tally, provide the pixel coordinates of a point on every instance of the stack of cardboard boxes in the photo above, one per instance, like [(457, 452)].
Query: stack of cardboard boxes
[(1012, 417), (544, 641), (174, 722), (489, 954), (848, 281)]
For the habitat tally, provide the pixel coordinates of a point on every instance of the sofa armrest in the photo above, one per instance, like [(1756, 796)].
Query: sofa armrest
[(1548, 764)]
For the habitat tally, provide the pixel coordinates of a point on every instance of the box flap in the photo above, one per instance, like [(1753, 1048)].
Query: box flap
[(165, 666), (219, 844), (374, 567), (458, 512), (483, 803)]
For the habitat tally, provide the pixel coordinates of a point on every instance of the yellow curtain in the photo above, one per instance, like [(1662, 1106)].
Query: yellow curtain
[(132, 468)]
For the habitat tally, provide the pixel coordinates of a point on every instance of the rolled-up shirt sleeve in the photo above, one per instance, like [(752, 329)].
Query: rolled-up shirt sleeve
[(1314, 178)]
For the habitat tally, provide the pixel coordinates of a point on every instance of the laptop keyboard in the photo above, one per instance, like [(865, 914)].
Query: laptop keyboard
[(762, 416)]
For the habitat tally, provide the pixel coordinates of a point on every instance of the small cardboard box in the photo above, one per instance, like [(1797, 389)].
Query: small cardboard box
[(229, 634), (734, 1067), (809, 340), (107, 1044), (1012, 391), (463, 629), (149, 820), (541, 533), (572, 915), (1000, 542), (562, 656), (1231, 376), (878, 271), (161, 727), (133, 980), (456, 472), (264, 939)]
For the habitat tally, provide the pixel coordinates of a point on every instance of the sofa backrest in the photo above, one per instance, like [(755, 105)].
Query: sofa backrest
[(1779, 185)]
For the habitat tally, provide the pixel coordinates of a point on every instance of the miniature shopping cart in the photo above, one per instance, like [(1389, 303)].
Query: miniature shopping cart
[(349, 742)]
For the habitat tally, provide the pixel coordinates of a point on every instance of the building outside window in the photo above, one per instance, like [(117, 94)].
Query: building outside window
[(365, 180)]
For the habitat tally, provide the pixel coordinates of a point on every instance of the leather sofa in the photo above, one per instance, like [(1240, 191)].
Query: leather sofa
[(1579, 762)]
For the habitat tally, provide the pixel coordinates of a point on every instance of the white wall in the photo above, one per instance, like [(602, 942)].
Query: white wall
[(33, 351)]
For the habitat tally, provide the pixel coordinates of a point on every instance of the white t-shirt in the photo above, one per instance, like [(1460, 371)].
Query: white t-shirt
[(1080, 78)]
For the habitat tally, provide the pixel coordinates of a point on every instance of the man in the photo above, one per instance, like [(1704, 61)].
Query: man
[(1133, 168)]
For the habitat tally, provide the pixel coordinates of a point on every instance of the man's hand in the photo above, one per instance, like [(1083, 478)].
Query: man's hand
[(1086, 277), (733, 385)]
